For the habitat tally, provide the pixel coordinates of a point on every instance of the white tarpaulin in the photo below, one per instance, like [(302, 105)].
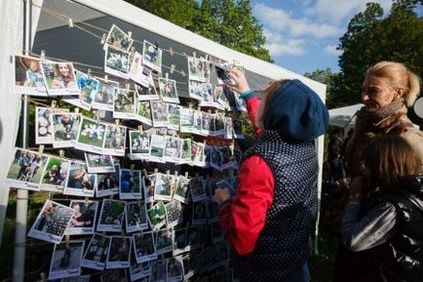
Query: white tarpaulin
[(344, 117)]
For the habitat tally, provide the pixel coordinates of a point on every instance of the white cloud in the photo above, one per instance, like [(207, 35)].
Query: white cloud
[(277, 19), (341, 10), (282, 46), (331, 50)]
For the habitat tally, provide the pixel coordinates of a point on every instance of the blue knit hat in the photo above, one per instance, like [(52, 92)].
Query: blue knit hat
[(296, 112)]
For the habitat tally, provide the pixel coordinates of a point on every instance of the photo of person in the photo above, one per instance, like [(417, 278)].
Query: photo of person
[(199, 213), (115, 140), (207, 99), (65, 129), (197, 154), (157, 215), (116, 62), (130, 184), (186, 150), (124, 104), (163, 190), (43, 127), (173, 214), (59, 78), (172, 146), (182, 190), (197, 116), (198, 69), (111, 216), (144, 112), (50, 224), (136, 216), (196, 89), (96, 254), (28, 76), (91, 135), (83, 220), (159, 114), (174, 269), (54, 175), (164, 241), (168, 90), (88, 87), (103, 99), (152, 56), (219, 124), (157, 147), (228, 128), (79, 182), (145, 249), (197, 188), (147, 92), (222, 100), (149, 185), (66, 260), (139, 144), (180, 242), (159, 270), (206, 119), (139, 73), (26, 169), (137, 270), (99, 163), (174, 116), (186, 120), (119, 252), (119, 39), (108, 183)]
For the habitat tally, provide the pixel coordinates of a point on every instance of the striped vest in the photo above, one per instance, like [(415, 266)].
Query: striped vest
[(285, 242)]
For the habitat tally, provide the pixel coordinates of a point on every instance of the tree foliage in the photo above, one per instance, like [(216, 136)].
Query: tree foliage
[(371, 38), (327, 77), (228, 22)]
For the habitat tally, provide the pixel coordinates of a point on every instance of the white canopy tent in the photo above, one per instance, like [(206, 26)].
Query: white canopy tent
[(106, 12), (344, 117)]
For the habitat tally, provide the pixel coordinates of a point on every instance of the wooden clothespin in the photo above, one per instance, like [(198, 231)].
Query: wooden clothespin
[(144, 171), (70, 22), (186, 174), (89, 72), (62, 153), (185, 54), (103, 38), (128, 86), (106, 78), (156, 170), (171, 52), (53, 105), (183, 73), (42, 56), (67, 241), (129, 34), (41, 149), (166, 76), (43, 277), (194, 54), (76, 110), (140, 128), (86, 201), (168, 172), (172, 68), (132, 167), (206, 57), (117, 122)]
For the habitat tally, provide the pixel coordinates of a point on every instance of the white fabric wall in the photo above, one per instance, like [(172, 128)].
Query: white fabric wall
[(11, 28)]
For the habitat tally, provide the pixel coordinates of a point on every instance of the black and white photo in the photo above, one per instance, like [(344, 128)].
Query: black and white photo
[(96, 254), (43, 126), (124, 103), (66, 260)]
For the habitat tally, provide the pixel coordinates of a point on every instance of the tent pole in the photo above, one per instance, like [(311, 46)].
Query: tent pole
[(22, 195)]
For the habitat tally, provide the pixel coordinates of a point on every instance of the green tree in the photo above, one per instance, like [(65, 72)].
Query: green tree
[(228, 22), (371, 38), (327, 77)]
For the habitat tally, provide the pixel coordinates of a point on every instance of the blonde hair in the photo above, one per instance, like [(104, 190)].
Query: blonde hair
[(399, 77), (388, 158)]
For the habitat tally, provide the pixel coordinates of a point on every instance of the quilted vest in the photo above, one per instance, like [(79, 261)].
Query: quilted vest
[(285, 242)]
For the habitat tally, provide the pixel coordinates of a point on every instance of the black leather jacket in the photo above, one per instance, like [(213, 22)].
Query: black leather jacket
[(388, 234)]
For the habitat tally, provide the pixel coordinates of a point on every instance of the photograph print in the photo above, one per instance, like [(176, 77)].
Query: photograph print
[(159, 270), (152, 56), (43, 127), (54, 175), (124, 103), (88, 87), (157, 215), (115, 140), (136, 216), (198, 69), (164, 187), (103, 99), (119, 39), (59, 78), (65, 128), (175, 269), (159, 114), (96, 254), (26, 169), (168, 90), (198, 189), (91, 135), (139, 144), (174, 116), (207, 100), (172, 149), (111, 216), (83, 220), (173, 214), (199, 213), (182, 190), (119, 252), (130, 184), (116, 62), (99, 163), (157, 147), (144, 112), (186, 150), (145, 249), (148, 92), (28, 76), (180, 242), (186, 120), (108, 183), (66, 260), (79, 182), (223, 78), (164, 241), (139, 73), (51, 223)]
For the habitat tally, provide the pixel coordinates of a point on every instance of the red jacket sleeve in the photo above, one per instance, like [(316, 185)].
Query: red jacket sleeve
[(244, 216), (252, 104)]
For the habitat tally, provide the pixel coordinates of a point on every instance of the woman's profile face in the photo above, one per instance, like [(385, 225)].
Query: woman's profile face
[(377, 93), (63, 69)]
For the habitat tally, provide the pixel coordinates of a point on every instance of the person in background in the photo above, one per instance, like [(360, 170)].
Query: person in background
[(388, 89), (383, 221), (270, 221), (335, 157)]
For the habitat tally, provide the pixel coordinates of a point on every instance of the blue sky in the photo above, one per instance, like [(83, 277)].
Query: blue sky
[(302, 34)]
